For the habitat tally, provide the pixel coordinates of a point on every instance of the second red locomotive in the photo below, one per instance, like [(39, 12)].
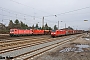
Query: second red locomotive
[(55, 33)]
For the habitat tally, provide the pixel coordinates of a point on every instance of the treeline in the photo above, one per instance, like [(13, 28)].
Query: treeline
[(20, 25), (17, 24)]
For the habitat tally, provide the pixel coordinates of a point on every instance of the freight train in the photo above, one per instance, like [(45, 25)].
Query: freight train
[(53, 33), (56, 33), (22, 32)]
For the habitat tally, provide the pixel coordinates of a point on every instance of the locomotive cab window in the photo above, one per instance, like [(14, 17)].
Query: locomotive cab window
[(53, 30), (11, 30)]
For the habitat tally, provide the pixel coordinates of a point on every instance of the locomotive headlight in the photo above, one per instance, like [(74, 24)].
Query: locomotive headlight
[(51, 33), (11, 32), (54, 33)]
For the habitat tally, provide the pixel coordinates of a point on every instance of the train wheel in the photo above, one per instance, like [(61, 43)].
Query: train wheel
[(53, 36)]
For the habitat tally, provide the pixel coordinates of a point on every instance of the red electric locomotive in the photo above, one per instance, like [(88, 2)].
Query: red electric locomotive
[(56, 33), (20, 32)]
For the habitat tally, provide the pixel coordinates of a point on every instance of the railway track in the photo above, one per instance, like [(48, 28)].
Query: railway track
[(29, 44), (8, 38), (32, 54), (15, 45), (41, 50), (4, 36), (15, 39)]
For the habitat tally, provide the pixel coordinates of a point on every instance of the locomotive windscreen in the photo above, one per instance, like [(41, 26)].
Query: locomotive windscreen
[(11, 30), (53, 30)]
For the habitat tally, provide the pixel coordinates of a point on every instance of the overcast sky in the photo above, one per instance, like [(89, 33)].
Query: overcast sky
[(70, 12)]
